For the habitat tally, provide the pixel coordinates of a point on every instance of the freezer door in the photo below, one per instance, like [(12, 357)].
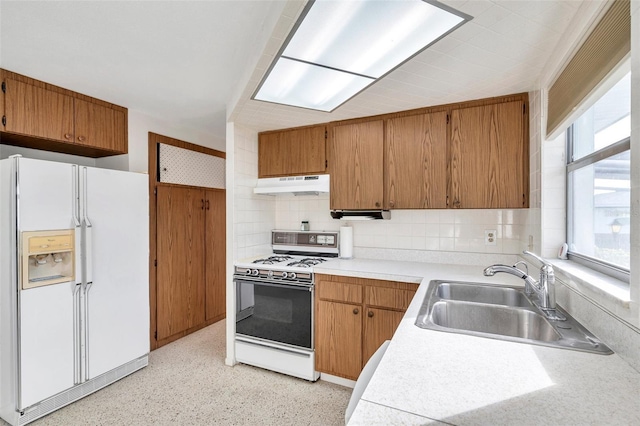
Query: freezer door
[(48, 326), (115, 211), (46, 195), (47, 342)]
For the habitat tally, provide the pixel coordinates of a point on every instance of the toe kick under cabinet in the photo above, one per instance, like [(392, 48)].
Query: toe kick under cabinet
[(353, 317)]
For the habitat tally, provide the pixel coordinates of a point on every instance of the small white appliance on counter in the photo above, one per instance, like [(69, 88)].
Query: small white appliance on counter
[(74, 283), (275, 303)]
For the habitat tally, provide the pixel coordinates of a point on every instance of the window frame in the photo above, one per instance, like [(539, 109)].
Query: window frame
[(609, 151)]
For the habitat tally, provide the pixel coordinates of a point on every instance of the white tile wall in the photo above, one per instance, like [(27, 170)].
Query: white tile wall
[(430, 230), (253, 215)]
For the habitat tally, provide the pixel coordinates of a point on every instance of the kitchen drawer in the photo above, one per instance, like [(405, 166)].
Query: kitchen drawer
[(392, 298), (339, 291)]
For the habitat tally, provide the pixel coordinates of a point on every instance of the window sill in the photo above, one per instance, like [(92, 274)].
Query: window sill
[(595, 285)]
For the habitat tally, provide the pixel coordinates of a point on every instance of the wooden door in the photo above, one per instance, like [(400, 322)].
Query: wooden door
[(416, 161), (35, 111), (180, 253), (339, 336), (356, 166), (489, 156), (100, 127), (292, 152), (215, 257), (379, 325)]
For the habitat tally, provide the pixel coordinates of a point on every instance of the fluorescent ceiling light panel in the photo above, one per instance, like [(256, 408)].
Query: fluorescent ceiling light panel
[(309, 86), (364, 38)]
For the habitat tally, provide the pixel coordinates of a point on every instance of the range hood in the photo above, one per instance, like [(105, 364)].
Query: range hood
[(361, 214), (293, 185)]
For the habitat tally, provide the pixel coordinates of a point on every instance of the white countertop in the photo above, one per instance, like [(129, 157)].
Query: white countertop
[(428, 375)]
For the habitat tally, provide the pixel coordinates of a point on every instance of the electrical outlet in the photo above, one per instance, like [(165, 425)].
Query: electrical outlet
[(490, 237)]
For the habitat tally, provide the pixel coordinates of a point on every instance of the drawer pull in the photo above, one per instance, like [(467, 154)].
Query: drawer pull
[(370, 314), (355, 311)]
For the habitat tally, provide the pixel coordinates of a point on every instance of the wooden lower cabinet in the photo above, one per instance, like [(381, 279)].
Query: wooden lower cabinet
[(181, 274), (379, 325), (339, 328), (190, 254), (353, 317)]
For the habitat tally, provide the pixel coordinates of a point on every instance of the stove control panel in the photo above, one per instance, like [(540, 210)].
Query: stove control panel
[(305, 239)]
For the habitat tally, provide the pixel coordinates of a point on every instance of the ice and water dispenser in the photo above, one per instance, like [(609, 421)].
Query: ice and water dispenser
[(47, 257)]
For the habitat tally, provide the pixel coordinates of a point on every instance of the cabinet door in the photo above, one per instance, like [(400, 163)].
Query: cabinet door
[(416, 160), (379, 325), (338, 336), (180, 255), (215, 258), (292, 152), (356, 166), (489, 155), (100, 127), (35, 111)]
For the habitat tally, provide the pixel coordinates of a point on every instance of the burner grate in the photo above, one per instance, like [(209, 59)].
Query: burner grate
[(307, 262), (272, 260)]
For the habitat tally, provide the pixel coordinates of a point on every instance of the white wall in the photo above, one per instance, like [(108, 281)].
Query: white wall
[(414, 230), (140, 124)]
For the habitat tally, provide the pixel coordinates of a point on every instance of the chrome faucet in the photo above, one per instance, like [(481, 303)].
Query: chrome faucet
[(544, 287)]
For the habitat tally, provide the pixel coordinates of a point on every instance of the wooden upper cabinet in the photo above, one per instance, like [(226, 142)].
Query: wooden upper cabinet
[(489, 156), (292, 152), (36, 111), (43, 116), (416, 161), (99, 126), (356, 166)]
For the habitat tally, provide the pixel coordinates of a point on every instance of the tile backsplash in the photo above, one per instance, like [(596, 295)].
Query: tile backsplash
[(425, 230)]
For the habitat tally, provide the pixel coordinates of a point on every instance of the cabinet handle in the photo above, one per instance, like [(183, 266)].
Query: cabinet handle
[(68, 136), (456, 204), (355, 311), (207, 204), (377, 204), (370, 314), (201, 204), (391, 203), (81, 138)]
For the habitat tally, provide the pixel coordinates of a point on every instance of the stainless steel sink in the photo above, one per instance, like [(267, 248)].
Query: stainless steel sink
[(499, 312), (495, 295)]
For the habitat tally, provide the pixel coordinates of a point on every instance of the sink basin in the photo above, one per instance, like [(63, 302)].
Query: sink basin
[(495, 295), (500, 312), (491, 319)]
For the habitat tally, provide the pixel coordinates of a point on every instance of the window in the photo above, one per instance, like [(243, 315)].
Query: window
[(598, 182)]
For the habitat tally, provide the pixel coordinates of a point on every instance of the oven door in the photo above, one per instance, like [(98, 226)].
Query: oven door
[(275, 312)]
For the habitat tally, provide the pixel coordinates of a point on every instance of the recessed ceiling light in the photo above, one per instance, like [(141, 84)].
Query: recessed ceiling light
[(338, 48)]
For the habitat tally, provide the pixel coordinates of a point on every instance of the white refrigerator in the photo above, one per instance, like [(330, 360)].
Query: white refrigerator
[(74, 283)]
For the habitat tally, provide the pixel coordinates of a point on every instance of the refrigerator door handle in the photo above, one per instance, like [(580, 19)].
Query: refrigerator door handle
[(88, 229), (74, 207), (86, 330), (77, 377)]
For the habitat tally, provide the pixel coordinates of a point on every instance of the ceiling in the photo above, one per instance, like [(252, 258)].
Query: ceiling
[(196, 63)]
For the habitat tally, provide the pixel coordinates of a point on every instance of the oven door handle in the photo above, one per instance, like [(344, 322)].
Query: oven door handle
[(259, 281)]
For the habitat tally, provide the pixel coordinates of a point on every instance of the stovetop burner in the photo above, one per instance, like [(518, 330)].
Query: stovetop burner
[(272, 260), (307, 262)]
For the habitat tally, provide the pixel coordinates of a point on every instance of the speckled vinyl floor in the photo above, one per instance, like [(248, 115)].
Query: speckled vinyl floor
[(187, 383)]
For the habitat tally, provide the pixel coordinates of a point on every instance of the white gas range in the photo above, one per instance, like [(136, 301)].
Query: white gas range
[(274, 302)]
